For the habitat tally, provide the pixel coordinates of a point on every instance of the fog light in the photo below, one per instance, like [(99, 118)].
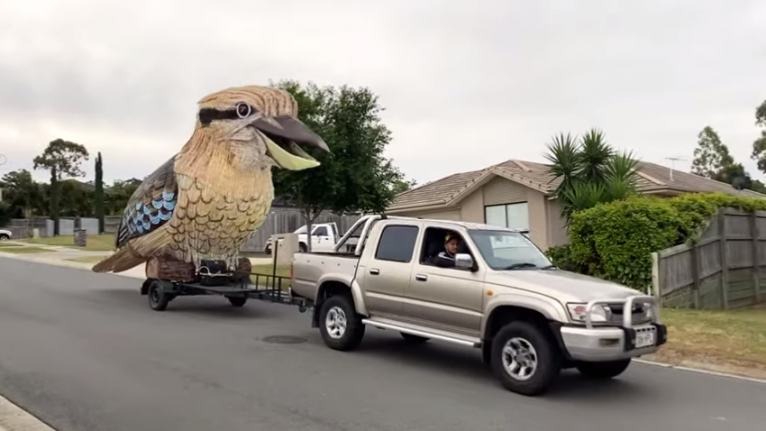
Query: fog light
[(606, 342)]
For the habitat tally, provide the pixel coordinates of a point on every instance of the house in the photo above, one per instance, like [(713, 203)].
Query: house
[(517, 194)]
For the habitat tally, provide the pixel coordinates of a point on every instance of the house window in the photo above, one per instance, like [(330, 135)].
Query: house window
[(514, 216)]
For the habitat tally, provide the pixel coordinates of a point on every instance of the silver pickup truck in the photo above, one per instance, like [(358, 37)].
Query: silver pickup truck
[(497, 292)]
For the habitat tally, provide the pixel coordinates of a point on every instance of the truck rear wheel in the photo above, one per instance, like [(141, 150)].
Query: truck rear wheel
[(603, 370), (341, 327), (524, 358)]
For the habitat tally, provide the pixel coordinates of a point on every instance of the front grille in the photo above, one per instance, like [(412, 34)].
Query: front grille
[(640, 314)]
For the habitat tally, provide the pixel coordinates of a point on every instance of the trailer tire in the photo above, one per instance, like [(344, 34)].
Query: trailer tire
[(159, 298), (603, 370), (529, 347), (237, 301), (341, 327)]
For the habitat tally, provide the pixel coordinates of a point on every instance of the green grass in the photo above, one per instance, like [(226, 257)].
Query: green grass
[(25, 250), (4, 244), (87, 259), (282, 271), (735, 338), (103, 242)]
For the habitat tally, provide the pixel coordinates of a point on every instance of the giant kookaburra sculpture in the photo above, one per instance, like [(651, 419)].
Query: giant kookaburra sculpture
[(207, 200)]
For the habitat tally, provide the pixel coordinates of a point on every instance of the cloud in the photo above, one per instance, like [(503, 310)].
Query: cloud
[(463, 87)]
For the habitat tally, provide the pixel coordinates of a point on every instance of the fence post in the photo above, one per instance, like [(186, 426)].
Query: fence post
[(756, 237), (696, 276), (656, 277), (724, 257)]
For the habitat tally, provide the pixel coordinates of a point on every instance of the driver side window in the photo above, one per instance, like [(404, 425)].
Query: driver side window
[(437, 250)]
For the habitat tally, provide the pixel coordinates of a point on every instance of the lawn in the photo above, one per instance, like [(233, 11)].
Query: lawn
[(103, 242), (25, 250), (732, 339), (268, 270)]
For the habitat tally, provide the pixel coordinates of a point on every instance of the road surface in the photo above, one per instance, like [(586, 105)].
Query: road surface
[(83, 351)]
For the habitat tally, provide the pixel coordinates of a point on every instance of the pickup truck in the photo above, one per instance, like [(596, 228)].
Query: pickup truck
[(323, 238), (5, 235), (499, 294)]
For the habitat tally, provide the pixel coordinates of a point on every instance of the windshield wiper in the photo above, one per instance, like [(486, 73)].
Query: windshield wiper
[(550, 267), (520, 265)]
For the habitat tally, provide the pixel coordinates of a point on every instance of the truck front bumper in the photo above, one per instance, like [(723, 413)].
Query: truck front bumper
[(609, 343), (596, 343)]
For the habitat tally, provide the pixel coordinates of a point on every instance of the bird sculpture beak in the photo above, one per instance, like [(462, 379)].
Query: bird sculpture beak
[(283, 136)]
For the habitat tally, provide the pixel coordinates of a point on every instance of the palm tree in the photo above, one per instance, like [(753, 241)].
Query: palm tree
[(590, 171)]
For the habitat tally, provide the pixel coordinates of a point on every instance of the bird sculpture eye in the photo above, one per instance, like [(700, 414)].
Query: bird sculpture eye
[(244, 110)]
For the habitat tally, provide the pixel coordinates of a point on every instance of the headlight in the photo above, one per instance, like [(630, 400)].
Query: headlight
[(599, 312)]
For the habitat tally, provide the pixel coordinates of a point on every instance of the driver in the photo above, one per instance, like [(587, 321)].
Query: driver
[(446, 258)]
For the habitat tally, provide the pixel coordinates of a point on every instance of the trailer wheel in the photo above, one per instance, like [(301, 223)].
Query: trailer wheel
[(341, 327), (159, 298), (237, 301)]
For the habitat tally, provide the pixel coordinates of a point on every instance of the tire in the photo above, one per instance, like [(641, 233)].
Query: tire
[(414, 338), (237, 301), (533, 345), (603, 370), (4, 237), (336, 311), (159, 298), (302, 248)]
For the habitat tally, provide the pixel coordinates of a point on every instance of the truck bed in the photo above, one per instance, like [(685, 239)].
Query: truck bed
[(309, 269)]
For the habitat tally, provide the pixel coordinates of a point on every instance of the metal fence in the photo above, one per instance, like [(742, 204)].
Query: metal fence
[(723, 269)]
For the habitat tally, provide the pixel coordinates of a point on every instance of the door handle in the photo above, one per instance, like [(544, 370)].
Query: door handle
[(421, 277), (374, 271)]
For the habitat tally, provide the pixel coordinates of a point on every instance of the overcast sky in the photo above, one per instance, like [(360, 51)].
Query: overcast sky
[(465, 84)]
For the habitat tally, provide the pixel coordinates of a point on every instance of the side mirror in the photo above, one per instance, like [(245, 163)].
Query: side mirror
[(463, 261)]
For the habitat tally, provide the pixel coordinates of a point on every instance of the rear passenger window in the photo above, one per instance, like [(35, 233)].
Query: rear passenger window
[(397, 243)]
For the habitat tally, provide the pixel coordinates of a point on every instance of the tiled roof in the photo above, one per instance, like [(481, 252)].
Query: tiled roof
[(652, 177)]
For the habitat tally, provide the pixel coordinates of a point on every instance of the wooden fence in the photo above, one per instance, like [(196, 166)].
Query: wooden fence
[(723, 269)]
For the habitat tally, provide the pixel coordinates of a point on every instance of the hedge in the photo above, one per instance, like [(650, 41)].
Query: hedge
[(615, 240)]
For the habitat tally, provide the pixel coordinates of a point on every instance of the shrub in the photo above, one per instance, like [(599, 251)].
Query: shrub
[(615, 240)]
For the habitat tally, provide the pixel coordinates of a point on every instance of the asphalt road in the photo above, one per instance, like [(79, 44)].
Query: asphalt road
[(83, 351)]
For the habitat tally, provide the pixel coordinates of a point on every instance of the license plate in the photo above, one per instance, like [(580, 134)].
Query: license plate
[(644, 339)]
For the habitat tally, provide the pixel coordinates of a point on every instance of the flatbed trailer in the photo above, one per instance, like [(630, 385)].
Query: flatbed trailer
[(237, 287)]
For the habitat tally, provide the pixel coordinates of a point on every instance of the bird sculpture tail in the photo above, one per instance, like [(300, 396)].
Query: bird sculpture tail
[(122, 260)]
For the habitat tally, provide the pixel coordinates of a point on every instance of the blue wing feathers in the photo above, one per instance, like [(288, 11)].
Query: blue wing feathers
[(151, 205)]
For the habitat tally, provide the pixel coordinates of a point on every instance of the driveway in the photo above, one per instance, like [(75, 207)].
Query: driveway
[(83, 351)]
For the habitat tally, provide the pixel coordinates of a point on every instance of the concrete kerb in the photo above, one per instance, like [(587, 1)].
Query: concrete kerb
[(14, 418)]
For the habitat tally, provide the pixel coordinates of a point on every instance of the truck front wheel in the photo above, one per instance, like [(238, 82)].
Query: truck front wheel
[(524, 358), (603, 370), (341, 327)]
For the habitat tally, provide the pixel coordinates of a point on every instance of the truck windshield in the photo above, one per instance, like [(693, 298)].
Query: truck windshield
[(508, 250)]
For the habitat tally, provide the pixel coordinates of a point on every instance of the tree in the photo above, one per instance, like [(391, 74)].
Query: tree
[(402, 185), (711, 157), (117, 195), (62, 159), (589, 171), (22, 194), (355, 176), (759, 146), (100, 193)]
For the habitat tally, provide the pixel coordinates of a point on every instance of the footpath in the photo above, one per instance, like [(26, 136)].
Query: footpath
[(72, 257)]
